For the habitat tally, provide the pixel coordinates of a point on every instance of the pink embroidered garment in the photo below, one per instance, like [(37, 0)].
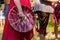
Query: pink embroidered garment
[(9, 33)]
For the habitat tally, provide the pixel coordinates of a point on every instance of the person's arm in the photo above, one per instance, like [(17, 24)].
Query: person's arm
[(17, 3)]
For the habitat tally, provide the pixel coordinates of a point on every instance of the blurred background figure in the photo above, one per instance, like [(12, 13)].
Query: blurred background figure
[(6, 4), (2, 19), (56, 17)]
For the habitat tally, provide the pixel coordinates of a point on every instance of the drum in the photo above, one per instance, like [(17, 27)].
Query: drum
[(19, 23)]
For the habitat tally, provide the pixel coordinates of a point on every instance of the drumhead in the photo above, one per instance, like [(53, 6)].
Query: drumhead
[(18, 23)]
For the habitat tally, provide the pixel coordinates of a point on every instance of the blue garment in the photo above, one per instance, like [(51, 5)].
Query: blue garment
[(5, 9), (38, 21), (0, 14)]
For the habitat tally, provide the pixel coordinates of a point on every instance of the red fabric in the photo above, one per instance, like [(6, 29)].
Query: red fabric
[(53, 19), (56, 13), (9, 33), (25, 3)]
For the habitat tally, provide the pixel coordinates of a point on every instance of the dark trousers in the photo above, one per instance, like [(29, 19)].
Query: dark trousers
[(43, 17)]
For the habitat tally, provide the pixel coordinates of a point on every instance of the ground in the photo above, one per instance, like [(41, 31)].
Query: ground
[(49, 36)]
